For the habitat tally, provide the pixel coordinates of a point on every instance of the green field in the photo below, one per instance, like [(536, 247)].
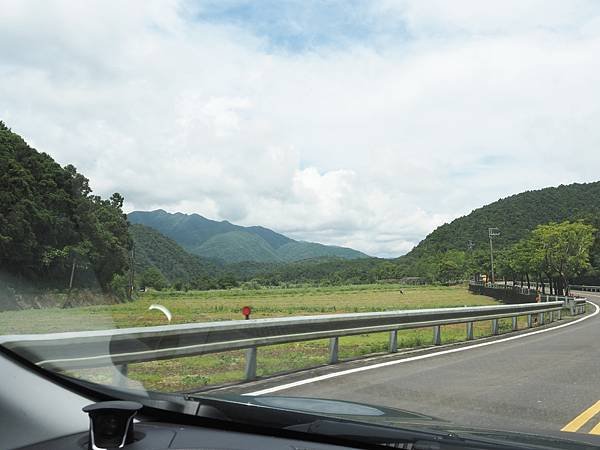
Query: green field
[(202, 306)]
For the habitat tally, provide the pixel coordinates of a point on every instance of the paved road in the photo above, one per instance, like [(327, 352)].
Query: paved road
[(538, 382)]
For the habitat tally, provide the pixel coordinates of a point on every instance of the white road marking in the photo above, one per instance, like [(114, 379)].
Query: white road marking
[(416, 358)]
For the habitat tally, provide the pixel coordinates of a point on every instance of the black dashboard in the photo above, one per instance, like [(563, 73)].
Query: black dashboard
[(160, 436)]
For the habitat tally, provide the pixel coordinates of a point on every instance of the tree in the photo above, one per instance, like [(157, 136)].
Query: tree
[(563, 250), (452, 266), (153, 278), (520, 261)]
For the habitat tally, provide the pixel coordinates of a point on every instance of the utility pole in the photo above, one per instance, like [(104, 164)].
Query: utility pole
[(491, 233), (131, 271), (470, 249), (72, 274)]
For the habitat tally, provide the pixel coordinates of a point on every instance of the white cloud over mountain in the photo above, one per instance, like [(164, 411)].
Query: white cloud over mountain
[(368, 141)]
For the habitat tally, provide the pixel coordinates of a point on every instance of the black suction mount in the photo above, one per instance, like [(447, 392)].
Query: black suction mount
[(111, 424)]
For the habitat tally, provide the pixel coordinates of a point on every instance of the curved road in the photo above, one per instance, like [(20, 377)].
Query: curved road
[(538, 382)]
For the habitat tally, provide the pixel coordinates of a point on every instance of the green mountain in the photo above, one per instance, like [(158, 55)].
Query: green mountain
[(233, 243), (514, 216), (152, 249), (298, 250), (237, 246)]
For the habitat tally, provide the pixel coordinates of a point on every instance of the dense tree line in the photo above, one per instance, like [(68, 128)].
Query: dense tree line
[(53, 231), (552, 255), (319, 271)]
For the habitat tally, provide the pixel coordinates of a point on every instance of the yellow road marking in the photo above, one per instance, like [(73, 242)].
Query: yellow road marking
[(596, 429), (582, 419)]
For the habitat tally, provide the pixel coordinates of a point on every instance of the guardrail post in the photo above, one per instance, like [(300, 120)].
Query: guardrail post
[(393, 341), (437, 335), (333, 350), (571, 306), (251, 364), (469, 331), (559, 314), (494, 326), (541, 318), (515, 323), (529, 320), (120, 375)]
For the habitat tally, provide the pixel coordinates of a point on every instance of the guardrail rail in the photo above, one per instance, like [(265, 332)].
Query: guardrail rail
[(120, 347), (583, 287)]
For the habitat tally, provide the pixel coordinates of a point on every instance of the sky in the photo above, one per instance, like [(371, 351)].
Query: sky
[(365, 124)]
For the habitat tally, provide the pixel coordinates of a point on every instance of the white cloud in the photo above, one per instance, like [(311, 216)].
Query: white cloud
[(442, 18), (370, 145)]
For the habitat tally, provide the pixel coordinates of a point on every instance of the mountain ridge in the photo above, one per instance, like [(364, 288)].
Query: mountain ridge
[(514, 216), (233, 243)]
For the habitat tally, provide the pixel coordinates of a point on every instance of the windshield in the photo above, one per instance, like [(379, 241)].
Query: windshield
[(392, 204)]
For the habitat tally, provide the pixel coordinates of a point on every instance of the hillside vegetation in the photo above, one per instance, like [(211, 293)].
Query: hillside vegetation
[(237, 246), (460, 249), (233, 243), (53, 231), (153, 249), (515, 216)]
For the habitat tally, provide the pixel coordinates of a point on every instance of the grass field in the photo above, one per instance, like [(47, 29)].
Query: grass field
[(198, 371)]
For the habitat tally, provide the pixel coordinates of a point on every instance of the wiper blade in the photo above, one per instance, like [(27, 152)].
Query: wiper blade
[(414, 439)]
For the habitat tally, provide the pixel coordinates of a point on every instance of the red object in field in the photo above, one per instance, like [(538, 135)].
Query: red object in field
[(246, 310)]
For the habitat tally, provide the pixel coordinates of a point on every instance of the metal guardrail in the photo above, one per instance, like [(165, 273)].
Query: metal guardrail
[(533, 292), (582, 287), (120, 347)]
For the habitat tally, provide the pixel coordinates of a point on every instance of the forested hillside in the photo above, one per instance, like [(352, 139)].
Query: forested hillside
[(152, 249), (53, 231), (233, 243), (160, 261), (461, 249), (514, 216), (237, 246)]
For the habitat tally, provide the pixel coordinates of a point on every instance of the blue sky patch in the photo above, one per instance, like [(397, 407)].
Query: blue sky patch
[(296, 26)]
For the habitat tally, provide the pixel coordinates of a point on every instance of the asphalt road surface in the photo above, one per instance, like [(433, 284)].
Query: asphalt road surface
[(546, 381)]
